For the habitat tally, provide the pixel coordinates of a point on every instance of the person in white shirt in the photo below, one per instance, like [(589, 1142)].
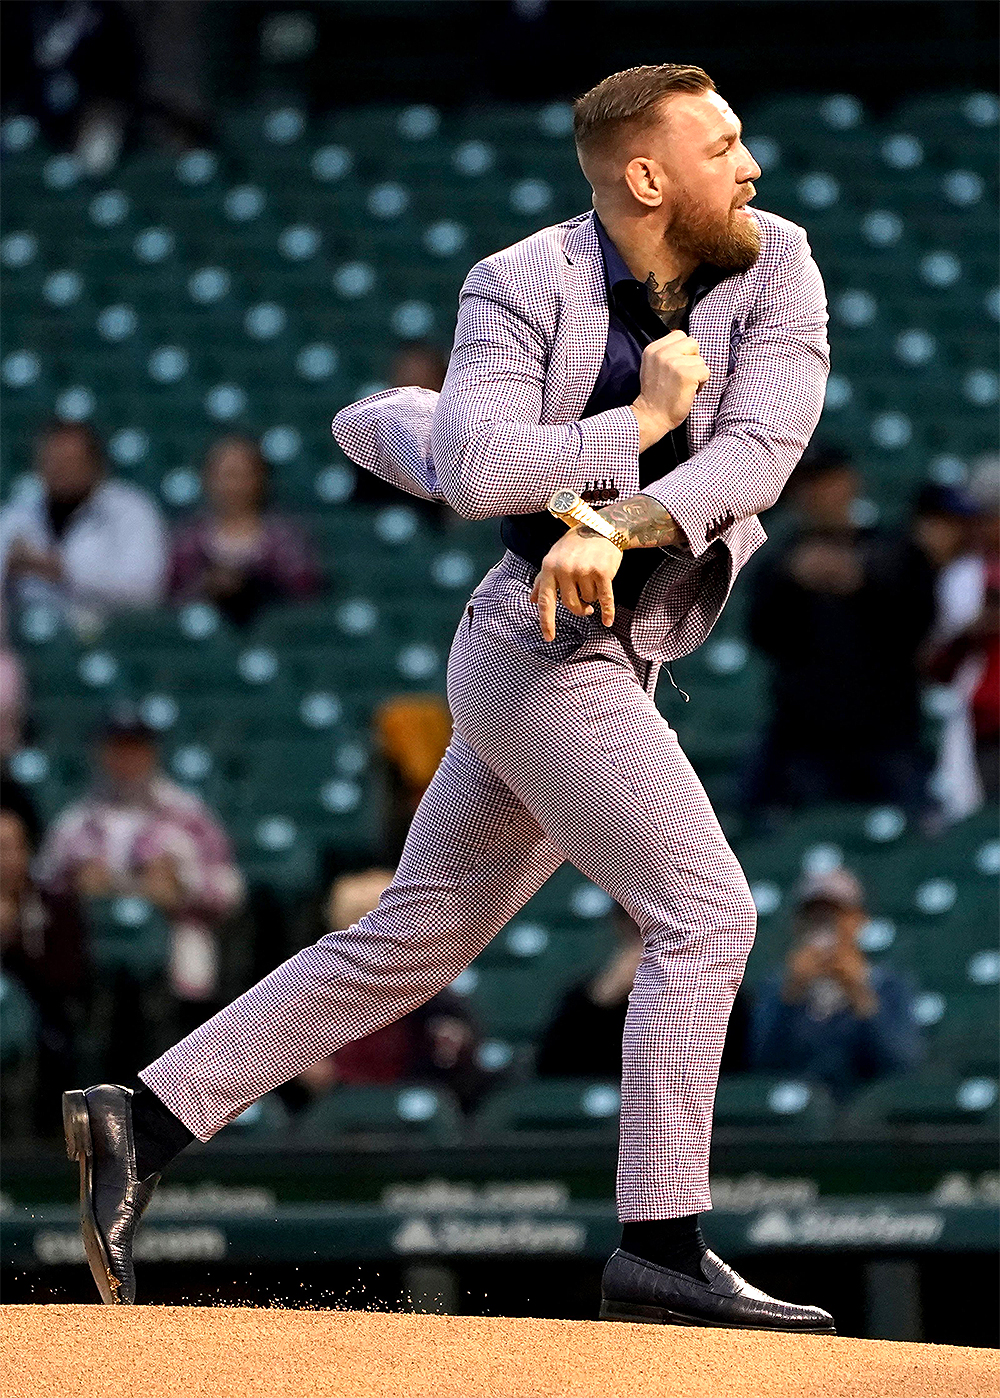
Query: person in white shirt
[(79, 540)]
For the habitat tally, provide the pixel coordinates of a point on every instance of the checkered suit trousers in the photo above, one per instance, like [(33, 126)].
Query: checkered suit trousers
[(558, 753)]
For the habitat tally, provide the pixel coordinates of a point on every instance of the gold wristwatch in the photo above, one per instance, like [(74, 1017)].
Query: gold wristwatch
[(572, 509)]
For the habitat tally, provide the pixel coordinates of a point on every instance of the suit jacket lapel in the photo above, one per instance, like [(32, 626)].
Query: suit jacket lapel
[(578, 350), (711, 324)]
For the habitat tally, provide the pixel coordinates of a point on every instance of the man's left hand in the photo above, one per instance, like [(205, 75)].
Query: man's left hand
[(579, 568)]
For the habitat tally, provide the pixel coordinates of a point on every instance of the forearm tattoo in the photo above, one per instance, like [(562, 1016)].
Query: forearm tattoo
[(669, 301), (644, 520)]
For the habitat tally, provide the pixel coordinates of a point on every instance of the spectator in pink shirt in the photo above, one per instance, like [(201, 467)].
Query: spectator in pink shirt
[(138, 833), (240, 554)]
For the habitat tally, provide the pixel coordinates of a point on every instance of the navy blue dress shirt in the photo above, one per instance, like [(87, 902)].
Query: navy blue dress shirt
[(632, 325)]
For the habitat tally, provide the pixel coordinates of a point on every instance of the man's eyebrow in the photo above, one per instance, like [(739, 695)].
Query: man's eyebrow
[(731, 135)]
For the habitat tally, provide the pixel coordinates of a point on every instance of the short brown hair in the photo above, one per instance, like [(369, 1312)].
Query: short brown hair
[(627, 100), (66, 427)]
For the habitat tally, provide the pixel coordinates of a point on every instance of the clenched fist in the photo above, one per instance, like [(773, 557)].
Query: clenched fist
[(671, 373)]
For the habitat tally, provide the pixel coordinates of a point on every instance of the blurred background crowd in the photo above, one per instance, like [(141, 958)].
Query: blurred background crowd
[(221, 676)]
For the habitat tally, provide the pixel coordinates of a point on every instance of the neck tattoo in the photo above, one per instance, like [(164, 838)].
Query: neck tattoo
[(669, 301)]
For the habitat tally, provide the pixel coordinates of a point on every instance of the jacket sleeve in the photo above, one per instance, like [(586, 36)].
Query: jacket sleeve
[(769, 409), (491, 454), (389, 434)]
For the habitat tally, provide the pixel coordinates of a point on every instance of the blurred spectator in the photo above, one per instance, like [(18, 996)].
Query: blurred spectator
[(138, 833), (11, 701), (42, 946), (417, 364), (966, 658), (584, 1037), (74, 65), (240, 555), (435, 1044), (840, 611), (829, 1014), (172, 45), (82, 541), (91, 72), (412, 732), (17, 798), (941, 523)]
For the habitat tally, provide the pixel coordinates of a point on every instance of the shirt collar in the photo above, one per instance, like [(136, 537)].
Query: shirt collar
[(615, 267)]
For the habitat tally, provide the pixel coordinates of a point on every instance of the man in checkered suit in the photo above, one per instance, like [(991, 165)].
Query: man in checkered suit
[(664, 353)]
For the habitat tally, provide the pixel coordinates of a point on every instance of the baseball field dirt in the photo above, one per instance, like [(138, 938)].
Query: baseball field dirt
[(192, 1352)]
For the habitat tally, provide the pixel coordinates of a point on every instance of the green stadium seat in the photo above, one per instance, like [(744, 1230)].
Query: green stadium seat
[(781, 1104), (566, 1105), (265, 1119), (516, 985), (416, 1112), (275, 853), (127, 935), (962, 1028), (930, 1097), (18, 1023)]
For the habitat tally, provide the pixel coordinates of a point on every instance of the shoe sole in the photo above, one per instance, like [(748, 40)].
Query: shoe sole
[(657, 1315), (79, 1146)]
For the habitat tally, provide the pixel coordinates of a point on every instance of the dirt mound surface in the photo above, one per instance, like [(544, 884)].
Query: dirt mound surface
[(195, 1352)]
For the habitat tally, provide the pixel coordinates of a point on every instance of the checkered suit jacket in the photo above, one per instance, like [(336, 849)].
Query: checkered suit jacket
[(506, 430)]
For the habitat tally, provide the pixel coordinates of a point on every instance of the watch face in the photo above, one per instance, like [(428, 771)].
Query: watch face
[(563, 500)]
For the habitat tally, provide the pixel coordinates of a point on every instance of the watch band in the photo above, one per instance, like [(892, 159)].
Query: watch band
[(572, 509)]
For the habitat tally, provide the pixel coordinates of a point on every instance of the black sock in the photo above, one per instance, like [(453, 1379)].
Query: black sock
[(157, 1133), (669, 1242)]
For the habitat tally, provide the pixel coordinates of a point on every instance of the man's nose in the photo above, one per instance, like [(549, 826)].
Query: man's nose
[(750, 170)]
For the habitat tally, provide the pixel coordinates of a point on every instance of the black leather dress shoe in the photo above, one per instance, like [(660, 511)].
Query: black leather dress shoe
[(98, 1128), (635, 1290)]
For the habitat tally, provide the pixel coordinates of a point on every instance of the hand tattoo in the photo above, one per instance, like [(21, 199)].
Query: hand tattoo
[(644, 520), (669, 301)]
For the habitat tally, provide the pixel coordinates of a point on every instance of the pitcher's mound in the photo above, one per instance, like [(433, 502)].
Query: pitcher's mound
[(202, 1352)]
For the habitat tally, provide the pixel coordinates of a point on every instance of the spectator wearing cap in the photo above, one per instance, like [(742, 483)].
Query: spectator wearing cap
[(240, 555), (829, 1014), (965, 657), (77, 539), (942, 524), (138, 833), (840, 611)]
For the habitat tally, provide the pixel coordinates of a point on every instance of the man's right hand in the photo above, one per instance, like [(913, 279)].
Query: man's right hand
[(671, 373)]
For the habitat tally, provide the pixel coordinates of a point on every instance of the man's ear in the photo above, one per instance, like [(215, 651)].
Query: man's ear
[(646, 180)]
